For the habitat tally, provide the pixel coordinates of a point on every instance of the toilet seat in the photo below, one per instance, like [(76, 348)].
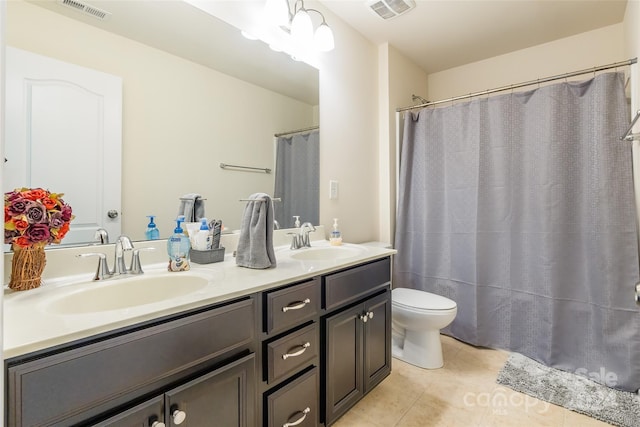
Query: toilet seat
[(416, 300)]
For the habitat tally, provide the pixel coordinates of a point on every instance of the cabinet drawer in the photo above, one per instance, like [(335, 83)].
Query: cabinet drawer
[(290, 306), (85, 381), (291, 352), (350, 285), (296, 404)]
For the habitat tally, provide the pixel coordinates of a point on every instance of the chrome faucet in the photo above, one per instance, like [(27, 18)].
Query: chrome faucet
[(123, 244), (305, 229), (301, 238), (101, 236)]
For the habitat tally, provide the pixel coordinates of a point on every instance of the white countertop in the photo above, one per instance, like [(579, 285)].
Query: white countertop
[(30, 324)]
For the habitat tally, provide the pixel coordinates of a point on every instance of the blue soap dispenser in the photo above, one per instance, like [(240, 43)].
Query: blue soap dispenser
[(178, 247), (152, 232)]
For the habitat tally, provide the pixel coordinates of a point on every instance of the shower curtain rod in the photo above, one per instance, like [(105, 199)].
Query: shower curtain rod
[(519, 85), (293, 132)]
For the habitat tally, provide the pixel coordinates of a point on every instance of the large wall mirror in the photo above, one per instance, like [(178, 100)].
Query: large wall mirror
[(195, 94)]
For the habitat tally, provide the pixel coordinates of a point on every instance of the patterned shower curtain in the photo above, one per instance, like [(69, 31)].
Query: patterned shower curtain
[(520, 208), (298, 178)]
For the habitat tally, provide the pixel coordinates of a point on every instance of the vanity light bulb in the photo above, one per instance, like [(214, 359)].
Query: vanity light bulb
[(302, 28), (324, 38)]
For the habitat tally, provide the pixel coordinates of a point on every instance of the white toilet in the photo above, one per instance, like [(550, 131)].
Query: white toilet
[(417, 317)]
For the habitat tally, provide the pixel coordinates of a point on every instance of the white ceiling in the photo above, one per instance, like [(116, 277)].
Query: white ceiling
[(441, 34)]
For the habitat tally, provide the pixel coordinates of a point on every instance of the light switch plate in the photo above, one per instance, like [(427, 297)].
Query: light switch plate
[(333, 189)]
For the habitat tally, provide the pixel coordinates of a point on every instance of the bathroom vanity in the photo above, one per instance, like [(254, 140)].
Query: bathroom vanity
[(293, 346)]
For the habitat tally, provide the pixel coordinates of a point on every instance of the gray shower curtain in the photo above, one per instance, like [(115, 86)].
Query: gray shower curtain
[(298, 178), (520, 208)]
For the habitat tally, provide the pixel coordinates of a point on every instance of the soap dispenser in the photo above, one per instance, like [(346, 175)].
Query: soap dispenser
[(336, 236), (152, 232), (203, 237), (178, 247), (296, 223)]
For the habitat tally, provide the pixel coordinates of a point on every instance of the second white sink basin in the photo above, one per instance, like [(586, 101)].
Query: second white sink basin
[(326, 253), (124, 293)]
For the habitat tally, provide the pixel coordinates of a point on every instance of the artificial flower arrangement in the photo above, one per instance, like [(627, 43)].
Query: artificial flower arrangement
[(33, 216)]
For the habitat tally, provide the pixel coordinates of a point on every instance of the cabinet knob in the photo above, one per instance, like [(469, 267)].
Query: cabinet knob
[(158, 424), (296, 305), (178, 416), (299, 420), (364, 317), (370, 314), (302, 349)]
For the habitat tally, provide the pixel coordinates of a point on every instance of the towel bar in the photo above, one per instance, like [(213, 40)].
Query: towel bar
[(275, 199), (225, 165)]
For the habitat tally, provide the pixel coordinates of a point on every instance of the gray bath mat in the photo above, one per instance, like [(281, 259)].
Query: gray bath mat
[(571, 391)]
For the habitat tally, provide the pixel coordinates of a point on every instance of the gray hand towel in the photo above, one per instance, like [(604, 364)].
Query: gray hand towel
[(255, 243), (192, 207)]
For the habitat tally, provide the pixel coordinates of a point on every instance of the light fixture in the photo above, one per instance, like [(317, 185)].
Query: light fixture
[(297, 21)]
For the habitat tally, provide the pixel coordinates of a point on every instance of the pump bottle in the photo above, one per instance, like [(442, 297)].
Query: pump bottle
[(178, 247)]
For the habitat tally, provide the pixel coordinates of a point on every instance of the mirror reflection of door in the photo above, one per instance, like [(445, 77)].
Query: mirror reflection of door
[(297, 180), (57, 113)]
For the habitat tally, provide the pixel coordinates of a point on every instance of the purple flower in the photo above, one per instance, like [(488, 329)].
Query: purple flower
[(56, 220), (9, 235), (38, 233), (36, 213), (18, 204), (66, 213)]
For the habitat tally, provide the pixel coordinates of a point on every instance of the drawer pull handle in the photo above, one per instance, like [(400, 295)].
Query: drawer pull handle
[(296, 305), (298, 421), (303, 348)]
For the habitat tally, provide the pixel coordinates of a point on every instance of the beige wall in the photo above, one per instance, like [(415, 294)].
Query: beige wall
[(176, 114), (593, 48), (349, 136), (399, 79)]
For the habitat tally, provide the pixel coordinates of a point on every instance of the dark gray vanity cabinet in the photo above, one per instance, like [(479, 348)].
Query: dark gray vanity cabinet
[(300, 354), (291, 350), (222, 397), (357, 337), (192, 362)]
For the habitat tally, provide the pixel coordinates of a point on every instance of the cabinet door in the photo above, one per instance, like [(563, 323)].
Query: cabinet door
[(343, 371), (222, 398), (142, 415), (377, 340)]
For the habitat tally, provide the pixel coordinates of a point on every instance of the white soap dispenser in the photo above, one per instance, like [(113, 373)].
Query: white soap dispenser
[(203, 236), (336, 236)]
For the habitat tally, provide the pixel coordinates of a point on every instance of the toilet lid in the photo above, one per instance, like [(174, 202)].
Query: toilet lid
[(421, 299)]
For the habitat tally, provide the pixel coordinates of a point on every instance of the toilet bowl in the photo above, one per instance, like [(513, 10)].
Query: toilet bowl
[(416, 318)]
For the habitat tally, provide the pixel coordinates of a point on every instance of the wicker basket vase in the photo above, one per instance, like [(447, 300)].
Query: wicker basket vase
[(26, 267)]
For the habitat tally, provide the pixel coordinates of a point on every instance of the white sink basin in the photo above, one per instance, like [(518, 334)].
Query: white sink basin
[(116, 294), (327, 253)]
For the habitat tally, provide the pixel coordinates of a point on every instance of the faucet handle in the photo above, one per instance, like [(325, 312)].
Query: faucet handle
[(136, 267), (102, 272), (295, 240)]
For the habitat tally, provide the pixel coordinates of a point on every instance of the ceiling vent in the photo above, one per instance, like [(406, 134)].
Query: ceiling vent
[(387, 9), (86, 8)]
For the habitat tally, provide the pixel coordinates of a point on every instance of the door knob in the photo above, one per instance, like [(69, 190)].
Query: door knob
[(112, 214)]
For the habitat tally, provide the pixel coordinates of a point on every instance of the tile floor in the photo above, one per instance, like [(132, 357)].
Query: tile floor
[(463, 393)]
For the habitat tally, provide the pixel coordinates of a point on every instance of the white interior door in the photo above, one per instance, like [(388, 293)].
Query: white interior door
[(64, 134)]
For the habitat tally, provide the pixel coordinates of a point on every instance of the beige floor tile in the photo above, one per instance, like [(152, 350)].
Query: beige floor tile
[(462, 393)]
